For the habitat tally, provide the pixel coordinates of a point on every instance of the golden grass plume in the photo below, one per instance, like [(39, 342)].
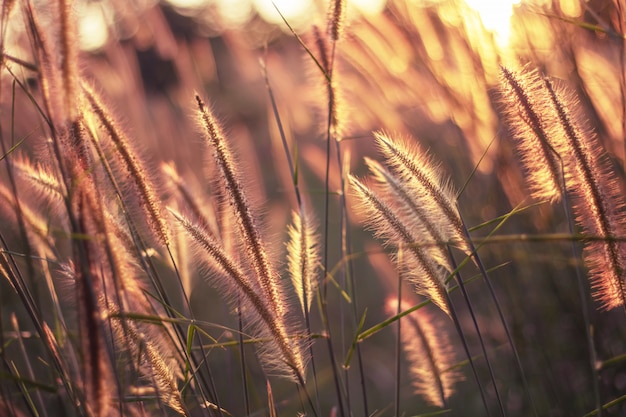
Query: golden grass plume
[(429, 352)]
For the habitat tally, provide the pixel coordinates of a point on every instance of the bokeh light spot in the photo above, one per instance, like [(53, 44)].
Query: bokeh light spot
[(93, 31), (496, 16)]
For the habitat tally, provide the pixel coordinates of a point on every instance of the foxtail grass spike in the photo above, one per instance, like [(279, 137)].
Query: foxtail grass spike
[(69, 59), (40, 177), (285, 357), (526, 118), (248, 228), (98, 381), (334, 97), (430, 355), (157, 370), (421, 177), (322, 49), (412, 212), (48, 74), (336, 17), (303, 257), (598, 201), (426, 275), (146, 190)]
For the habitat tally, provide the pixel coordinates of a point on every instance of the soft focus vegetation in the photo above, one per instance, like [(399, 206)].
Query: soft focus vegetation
[(346, 212)]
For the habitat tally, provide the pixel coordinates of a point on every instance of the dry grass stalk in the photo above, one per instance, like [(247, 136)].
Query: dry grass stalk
[(5, 271), (598, 200), (40, 177), (48, 75), (530, 125), (424, 272), (69, 59), (248, 229), (284, 356), (98, 375), (303, 257), (336, 17), (158, 370), (146, 190), (191, 201), (270, 400), (430, 354), (422, 179), (413, 214)]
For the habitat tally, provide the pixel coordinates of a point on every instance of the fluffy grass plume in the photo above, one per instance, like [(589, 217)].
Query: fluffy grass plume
[(529, 122), (153, 364), (148, 197), (423, 180), (426, 275), (40, 177), (98, 378), (105, 312), (284, 355), (598, 199), (303, 257), (336, 17), (248, 229), (413, 214), (334, 98), (69, 58), (549, 131), (48, 75), (430, 354)]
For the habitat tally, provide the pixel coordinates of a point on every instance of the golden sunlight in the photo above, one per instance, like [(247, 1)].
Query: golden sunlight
[(296, 12), (369, 7), (496, 16), (300, 11), (92, 27)]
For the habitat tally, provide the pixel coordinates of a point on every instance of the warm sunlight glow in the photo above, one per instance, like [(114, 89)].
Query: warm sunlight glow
[(188, 4), (296, 12), (93, 32), (236, 12), (299, 12), (496, 16), (369, 7)]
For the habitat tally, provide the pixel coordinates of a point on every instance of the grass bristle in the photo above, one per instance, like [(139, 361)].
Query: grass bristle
[(248, 229), (429, 280), (204, 209), (529, 122), (303, 257), (598, 200), (285, 357), (429, 353), (145, 189)]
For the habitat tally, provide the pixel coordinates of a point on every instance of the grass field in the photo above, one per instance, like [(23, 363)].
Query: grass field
[(341, 214)]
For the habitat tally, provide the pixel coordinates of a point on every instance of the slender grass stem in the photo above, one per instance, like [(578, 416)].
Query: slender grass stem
[(242, 353), (494, 297), (398, 339), (461, 285), (459, 330), (296, 186)]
